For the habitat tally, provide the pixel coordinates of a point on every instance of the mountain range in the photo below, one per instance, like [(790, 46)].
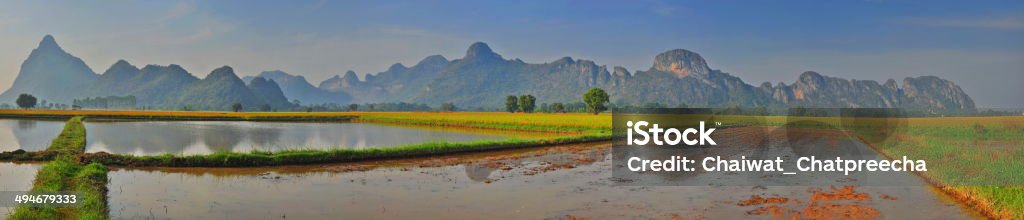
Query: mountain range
[(481, 78)]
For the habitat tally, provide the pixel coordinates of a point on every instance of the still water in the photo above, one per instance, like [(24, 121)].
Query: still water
[(28, 134), (16, 177), (203, 137)]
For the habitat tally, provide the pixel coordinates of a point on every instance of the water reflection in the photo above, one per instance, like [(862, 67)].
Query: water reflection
[(202, 137), (16, 177), (27, 134)]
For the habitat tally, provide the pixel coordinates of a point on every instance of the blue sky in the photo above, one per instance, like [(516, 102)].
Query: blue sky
[(977, 44)]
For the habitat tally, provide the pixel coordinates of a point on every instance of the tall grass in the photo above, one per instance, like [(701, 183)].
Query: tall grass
[(979, 160)]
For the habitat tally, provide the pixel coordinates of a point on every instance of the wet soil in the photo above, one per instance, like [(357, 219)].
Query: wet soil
[(560, 182)]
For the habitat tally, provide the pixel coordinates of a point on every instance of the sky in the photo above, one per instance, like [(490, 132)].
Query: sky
[(977, 44)]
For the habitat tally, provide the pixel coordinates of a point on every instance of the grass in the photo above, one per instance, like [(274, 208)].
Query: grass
[(65, 173), (71, 140), (979, 160)]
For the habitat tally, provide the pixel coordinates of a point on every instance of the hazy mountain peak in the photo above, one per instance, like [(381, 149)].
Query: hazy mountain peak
[(283, 77), (351, 75), (49, 73), (260, 82), (121, 65), (268, 91), (120, 70), (620, 71), (223, 72), (122, 62), (811, 76), (565, 60), (480, 50), (433, 60), (48, 43), (393, 67), (169, 69), (681, 62)]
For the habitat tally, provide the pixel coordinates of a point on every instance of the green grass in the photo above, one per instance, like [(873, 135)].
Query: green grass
[(977, 160), (65, 173), (290, 157), (71, 140)]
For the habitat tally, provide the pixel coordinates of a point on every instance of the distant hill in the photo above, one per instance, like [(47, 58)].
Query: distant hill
[(481, 78), (54, 75), (297, 88), (51, 73)]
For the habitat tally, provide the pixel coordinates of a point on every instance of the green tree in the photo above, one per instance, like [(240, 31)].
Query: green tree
[(558, 107), (511, 104), (527, 103), (265, 108), (237, 107), (353, 107), (26, 101), (595, 99), (448, 107)]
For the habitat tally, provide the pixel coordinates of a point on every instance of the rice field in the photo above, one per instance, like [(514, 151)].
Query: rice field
[(567, 122), (978, 160)]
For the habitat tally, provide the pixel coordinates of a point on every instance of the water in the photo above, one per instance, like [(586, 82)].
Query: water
[(28, 134), (203, 137), (552, 182), (16, 177)]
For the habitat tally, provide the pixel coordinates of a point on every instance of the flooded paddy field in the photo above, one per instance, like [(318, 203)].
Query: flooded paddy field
[(204, 137), (16, 177), (28, 134), (551, 182)]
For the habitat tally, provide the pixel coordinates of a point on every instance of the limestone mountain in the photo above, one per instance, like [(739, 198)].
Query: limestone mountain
[(268, 92), (153, 85), (222, 88), (51, 74), (482, 77), (296, 87)]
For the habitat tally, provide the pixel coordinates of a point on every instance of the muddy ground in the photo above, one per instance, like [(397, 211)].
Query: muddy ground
[(559, 182)]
